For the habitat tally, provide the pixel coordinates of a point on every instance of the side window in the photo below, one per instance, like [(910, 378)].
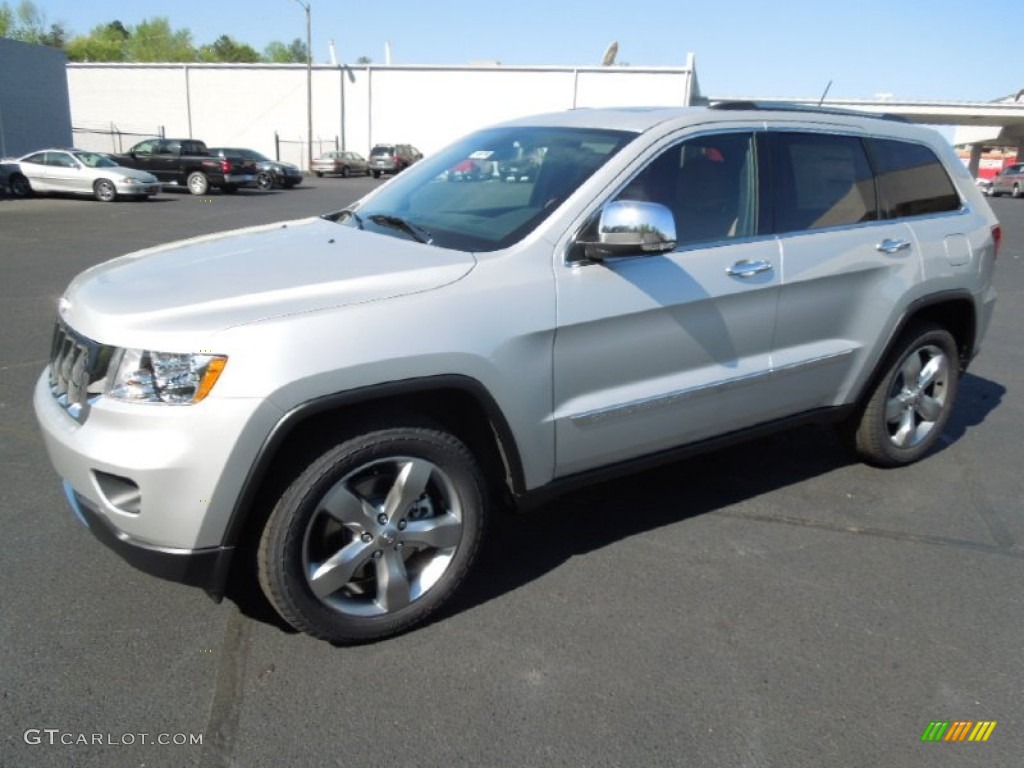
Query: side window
[(146, 147), (821, 181), (709, 183), (39, 158), (911, 180)]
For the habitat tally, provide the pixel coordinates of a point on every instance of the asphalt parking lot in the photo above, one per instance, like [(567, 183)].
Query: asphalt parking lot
[(774, 604)]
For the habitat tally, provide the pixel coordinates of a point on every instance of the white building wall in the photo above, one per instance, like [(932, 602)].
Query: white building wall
[(354, 107)]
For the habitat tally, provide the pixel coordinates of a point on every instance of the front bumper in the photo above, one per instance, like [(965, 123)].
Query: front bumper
[(138, 189), (205, 568), (155, 474)]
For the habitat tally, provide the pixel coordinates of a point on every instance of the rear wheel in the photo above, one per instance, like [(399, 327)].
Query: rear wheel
[(198, 184), (374, 535), (344, 171), (1016, 191), (910, 405), (319, 174), (376, 174), (104, 191)]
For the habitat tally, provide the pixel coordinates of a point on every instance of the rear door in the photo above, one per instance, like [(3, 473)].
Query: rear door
[(845, 267), (656, 351)]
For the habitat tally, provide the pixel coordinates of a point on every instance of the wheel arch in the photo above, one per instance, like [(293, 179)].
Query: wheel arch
[(953, 310), (458, 404)]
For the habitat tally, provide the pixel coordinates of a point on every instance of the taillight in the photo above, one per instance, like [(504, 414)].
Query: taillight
[(997, 238), (225, 166)]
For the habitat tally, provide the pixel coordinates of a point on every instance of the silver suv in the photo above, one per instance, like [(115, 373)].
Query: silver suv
[(340, 402)]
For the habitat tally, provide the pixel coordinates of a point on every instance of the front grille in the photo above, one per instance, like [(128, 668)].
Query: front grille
[(78, 370)]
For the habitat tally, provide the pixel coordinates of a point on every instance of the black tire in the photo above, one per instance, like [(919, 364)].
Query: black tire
[(104, 191), (344, 172), (347, 576), (20, 186), (319, 174), (229, 188), (197, 183), (376, 174), (1016, 191), (909, 406), (265, 181)]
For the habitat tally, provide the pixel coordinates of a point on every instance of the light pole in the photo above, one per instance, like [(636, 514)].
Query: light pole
[(309, 81)]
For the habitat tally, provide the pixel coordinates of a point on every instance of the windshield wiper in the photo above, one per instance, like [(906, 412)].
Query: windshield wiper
[(416, 232)]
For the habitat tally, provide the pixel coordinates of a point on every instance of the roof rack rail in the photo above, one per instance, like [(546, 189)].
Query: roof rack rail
[(788, 106)]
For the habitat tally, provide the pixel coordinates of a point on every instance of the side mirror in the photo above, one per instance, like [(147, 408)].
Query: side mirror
[(632, 228)]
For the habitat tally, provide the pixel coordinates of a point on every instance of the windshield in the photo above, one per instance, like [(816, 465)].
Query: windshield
[(94, 160), (488, 190)]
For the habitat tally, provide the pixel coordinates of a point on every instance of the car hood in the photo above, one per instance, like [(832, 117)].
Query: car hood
[(215, 282)]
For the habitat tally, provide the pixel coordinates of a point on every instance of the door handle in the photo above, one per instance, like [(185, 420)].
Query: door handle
[(892, 246), (748, 268)]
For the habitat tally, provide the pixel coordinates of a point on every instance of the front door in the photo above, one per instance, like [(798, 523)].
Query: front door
[(651, 352)]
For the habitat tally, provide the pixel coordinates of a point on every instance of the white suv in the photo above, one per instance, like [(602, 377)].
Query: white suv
[(344, 399)]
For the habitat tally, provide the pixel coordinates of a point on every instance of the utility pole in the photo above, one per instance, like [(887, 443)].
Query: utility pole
[(309, 80)]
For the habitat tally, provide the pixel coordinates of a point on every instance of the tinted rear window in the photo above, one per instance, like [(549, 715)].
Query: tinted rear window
[(821, 181), (911, 180)]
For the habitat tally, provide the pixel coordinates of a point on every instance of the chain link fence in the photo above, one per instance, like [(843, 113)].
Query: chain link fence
[(111, 138), (296, 150)]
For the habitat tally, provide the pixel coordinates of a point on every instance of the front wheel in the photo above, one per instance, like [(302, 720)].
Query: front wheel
[(20, 186), (198, 184), (104, 191), (374, 535), (265, 181), (910, 405), (1016, 191), (344, 172)]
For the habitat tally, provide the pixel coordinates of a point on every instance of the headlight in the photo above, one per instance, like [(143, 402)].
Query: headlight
[(144, 376)]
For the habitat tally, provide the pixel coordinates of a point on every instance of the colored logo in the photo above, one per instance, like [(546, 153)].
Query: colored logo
[(958, 730)]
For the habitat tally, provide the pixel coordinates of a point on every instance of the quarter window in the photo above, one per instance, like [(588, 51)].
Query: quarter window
[(911, 180), (821, 180)]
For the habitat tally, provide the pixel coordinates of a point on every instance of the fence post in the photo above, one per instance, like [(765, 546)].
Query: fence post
[(336, 145), (277, 147)]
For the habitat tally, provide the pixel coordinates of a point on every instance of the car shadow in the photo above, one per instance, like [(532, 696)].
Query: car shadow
[(523, 547)]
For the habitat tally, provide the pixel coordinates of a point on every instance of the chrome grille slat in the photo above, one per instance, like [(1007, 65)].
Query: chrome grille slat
[(78, 369)]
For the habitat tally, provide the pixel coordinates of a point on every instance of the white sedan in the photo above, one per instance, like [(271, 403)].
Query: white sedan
[(80, 172)]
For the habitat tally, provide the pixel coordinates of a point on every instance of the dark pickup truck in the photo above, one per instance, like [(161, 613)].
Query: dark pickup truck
[(187, 163)]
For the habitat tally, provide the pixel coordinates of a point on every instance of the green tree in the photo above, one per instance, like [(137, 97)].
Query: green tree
[(224, 48), (27, 23), (104, 43), (154, 40), (279, 53), (6, 20)]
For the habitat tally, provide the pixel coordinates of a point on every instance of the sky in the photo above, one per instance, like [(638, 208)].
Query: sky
[(912, 49)]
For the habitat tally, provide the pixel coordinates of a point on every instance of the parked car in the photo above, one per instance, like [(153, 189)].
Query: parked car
[(188, 163), (392, 158), (268, 172), (341, 163), (345, 421), (80, 172), (1009, 181)]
